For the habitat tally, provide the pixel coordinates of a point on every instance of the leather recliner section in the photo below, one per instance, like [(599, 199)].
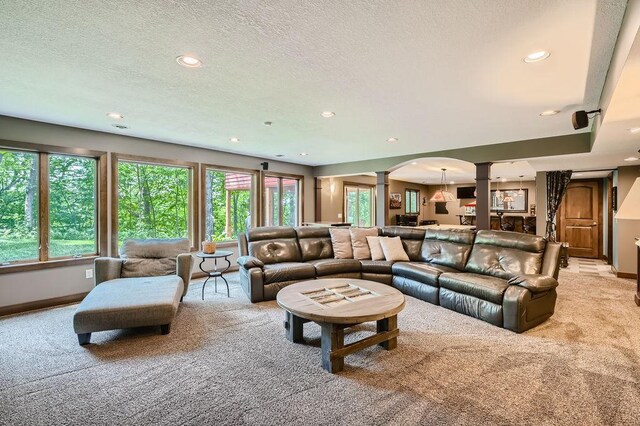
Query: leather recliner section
[(334, 267), (472, 306), (416, 289)]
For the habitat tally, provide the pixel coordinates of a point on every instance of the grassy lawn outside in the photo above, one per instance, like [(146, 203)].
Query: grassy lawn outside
[(12, 250)]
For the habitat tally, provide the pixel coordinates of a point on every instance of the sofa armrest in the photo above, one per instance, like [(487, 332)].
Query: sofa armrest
[(249, 262), (107, 269), (535, 283), (184, 263)]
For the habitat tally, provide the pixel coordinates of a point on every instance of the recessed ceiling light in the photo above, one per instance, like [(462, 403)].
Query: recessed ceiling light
[(578, 174), (452, 182), (115, 115), (188, 61), (631, 159), (327, 114), (504, 179), (234, 140), (304, 154), (414, 163), (392, 140), (540, 55), (268, 123), (549, 112), (120, 126), (279, 155), (634, 130)]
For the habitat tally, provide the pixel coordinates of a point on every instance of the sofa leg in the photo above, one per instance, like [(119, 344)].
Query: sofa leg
[(165, 328), (84, 338)]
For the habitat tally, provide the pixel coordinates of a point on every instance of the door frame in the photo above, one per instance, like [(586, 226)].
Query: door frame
[(600, 212), (609, 257), (372, 188)]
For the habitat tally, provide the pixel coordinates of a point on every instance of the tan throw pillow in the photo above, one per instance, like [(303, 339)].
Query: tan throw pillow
[(341, 242), (393, 249), (375, 248), (359, 242)]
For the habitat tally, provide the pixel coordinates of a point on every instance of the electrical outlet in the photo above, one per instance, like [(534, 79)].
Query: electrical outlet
[(339, 215), (88, 273)]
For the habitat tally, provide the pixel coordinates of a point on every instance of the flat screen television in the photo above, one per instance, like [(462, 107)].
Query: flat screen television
[(466, 192)]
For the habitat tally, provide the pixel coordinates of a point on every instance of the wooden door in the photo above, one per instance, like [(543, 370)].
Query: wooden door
[(579, 219)]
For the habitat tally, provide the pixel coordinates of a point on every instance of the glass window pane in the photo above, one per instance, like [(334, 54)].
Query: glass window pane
[(289, 202), (19, 201), (351, 206), (72, 206), (364, 207), (227, 204), (271, 201), (153, 201)]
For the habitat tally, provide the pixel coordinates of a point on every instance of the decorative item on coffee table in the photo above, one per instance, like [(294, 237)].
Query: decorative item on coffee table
[(336, 304), (205, 254)]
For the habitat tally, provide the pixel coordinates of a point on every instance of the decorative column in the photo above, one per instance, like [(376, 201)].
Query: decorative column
[(382, 198), (483, 196), (318, 199)]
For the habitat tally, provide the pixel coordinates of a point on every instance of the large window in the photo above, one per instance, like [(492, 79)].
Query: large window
[(154, 200), (227, 203), (412, 201), (49, 206), (281, 200), (359, 205)]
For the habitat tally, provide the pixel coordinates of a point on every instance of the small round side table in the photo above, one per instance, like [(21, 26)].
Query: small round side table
[(219, 254)]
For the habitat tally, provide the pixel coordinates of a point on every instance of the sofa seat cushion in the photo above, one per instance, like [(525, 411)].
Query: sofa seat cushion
[(483, 287), (128, 303), (426, 273), (288, 271), (335, 266), (376, 266)]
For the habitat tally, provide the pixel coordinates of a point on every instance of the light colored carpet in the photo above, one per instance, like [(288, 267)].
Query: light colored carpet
[(226, 361)]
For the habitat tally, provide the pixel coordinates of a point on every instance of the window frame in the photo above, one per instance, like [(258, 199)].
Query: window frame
[(407, 204), (193, 207), (280, 176), (43, 152), (204, 167)]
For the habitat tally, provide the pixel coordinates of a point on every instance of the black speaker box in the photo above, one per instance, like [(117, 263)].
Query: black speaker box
[(580, 120)]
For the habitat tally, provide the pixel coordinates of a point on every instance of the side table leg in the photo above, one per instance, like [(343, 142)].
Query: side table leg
[(293, 326), (388, 324), (332, 338)]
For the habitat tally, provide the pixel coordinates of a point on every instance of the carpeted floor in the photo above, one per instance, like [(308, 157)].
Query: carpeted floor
[(226, 362)]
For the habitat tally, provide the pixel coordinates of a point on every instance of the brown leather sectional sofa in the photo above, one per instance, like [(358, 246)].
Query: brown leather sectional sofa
[(505, 278)]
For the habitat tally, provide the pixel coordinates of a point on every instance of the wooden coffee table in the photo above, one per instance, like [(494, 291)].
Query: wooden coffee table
[(336, 304)]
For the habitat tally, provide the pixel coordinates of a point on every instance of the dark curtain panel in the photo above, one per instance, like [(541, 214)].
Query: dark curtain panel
[(556, 186)]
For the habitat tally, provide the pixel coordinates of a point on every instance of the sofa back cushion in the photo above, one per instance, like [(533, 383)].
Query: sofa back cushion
[(411, 239), (274, 244), (152, 257), (506, 254), (315, 242), (448, 247)]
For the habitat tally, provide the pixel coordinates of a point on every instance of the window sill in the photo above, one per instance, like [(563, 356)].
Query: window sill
[(35, 266)]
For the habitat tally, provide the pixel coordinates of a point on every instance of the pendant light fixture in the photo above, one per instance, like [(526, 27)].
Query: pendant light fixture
[(442, 195), (521, 191), (498, 192)]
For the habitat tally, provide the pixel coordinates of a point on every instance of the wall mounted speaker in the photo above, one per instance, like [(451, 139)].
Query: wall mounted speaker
[(265, 165), (580, 120)]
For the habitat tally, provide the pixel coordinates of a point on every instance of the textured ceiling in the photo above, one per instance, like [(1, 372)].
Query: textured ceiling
[(434, 74)]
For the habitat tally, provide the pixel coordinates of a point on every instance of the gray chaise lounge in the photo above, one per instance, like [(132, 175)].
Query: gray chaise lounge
[(142, 288)]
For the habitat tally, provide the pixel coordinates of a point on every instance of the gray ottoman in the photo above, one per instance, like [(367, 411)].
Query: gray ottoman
[(127, 303)]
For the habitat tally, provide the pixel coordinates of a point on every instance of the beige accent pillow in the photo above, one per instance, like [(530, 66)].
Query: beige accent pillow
[(341, 242), (375, 248), (393, 249), (359, 242)]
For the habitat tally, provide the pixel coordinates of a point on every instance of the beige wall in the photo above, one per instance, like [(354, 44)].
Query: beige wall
[(625, 231), (31, 286), (332, 201), (457, 207)]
